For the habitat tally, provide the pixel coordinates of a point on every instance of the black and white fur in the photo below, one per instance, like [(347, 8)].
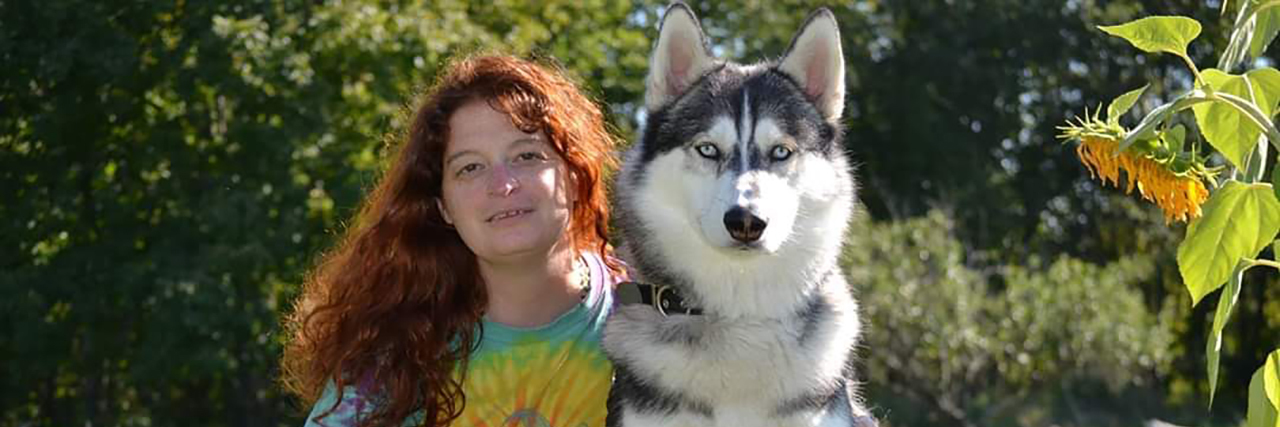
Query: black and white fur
[(728, 149)]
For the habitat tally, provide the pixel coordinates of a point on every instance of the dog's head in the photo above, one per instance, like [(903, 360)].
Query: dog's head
[(742, 157), (738, 187)]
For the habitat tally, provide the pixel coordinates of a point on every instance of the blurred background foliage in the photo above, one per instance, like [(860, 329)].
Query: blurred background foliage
[(169, 170)]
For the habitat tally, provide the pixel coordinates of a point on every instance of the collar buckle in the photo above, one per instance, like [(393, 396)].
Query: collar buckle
[(666, 299)]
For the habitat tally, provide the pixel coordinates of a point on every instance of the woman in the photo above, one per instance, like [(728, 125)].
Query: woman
[(473, 287)]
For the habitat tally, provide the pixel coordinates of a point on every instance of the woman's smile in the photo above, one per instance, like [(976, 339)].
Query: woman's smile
[(509, 215)]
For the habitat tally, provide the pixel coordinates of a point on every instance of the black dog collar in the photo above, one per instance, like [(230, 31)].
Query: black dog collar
[(665, 299)]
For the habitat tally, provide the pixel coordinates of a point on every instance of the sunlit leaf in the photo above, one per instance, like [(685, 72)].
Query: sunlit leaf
[(1275, 185), (1226, 303), (1247, 31), (1264, 31), (1224, 126), (1155, 34), (1123, 103), (1264, 394), (1239, 220)]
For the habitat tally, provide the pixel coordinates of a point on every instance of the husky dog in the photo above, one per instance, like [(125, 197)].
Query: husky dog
[(737, 196)]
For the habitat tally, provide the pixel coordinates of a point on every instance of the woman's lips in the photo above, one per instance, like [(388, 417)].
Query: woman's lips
[(508, 214)]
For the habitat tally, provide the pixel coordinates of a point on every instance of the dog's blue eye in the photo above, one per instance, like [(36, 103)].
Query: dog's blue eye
[(780, 153), (709, 151)]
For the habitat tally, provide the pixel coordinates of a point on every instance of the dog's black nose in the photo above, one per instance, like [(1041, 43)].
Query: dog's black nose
[(743, 226)]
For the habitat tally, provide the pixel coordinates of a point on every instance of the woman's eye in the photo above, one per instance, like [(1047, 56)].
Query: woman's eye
[(780, 152), (708, 150), (531, 155), (468, 168)]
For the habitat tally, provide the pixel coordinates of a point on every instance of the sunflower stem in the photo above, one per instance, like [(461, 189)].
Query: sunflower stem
[(1255, 170), (1263, 262), (1195, 72), (1157, 116)]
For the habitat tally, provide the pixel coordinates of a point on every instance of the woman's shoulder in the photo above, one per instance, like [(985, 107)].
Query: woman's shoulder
[(607, 269), (339, 408), (348, 407), (607, 273)]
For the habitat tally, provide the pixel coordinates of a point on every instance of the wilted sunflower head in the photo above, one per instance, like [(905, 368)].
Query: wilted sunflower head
[(1171, 178)]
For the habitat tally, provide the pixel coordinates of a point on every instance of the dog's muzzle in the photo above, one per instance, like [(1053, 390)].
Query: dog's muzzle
[(743, 225)]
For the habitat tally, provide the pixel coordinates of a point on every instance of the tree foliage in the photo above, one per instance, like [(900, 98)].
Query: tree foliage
[(169, 170), (942, 336)]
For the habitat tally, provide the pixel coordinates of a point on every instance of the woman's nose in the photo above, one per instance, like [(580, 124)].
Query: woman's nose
[(503, 181)]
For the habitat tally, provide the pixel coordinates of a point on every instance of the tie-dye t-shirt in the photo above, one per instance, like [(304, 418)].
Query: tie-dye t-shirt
[(550, 376)]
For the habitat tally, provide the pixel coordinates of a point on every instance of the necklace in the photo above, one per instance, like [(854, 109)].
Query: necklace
[(583, 274)]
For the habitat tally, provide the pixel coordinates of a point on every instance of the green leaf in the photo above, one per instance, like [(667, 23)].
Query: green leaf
[(1264, 30), (1175, 138), (1123, 103), (1226, 303), (1237, 43), (1264, 394), (1239, 220), (1275, 185), (1157, 34), (1252, 30), (1225, 127)]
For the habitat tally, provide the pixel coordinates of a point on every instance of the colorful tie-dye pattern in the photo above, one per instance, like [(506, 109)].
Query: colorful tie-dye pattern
[(539, 381), (551, 376)]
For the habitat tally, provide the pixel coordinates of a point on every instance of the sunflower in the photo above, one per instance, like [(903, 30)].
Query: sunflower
[(1172, 179)]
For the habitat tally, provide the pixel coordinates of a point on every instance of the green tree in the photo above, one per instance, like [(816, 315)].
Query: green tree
[(169, 170), (946, 345)]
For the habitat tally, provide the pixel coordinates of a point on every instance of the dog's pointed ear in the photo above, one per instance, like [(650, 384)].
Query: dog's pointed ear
[(816, 62), (679, 57)]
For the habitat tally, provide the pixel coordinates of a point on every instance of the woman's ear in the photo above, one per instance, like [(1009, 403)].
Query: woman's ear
[(573, 187), (444, 213)]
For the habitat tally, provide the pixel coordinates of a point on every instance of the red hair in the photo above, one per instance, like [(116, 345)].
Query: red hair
[(398, 302)]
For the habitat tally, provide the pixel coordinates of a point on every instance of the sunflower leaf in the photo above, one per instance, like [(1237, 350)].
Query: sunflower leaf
[(1175, 138), (1264, 394), (1254, 27), (1226, 303), (1157, 34), (1275, 185), (1265, 29), (1123, 103), (1239, 220), (1230, 131)]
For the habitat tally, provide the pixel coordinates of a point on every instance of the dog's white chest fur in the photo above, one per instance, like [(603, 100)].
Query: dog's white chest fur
[(739, 372)]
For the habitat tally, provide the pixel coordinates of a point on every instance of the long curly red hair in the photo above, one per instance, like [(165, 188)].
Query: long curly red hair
[(389, 305)]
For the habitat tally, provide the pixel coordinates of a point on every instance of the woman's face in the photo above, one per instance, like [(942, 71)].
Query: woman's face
[(506, 192)]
